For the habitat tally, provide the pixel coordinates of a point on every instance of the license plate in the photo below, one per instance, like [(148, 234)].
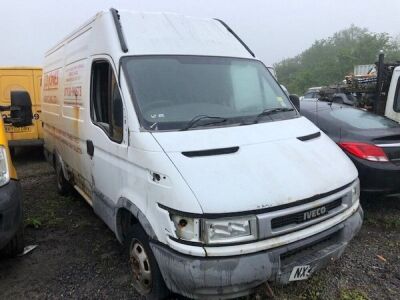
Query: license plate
[(300, 273), (12, 129)]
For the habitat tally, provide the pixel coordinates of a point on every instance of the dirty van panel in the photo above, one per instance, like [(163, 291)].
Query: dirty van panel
[(21, 80), (51, 94), (73, 106)]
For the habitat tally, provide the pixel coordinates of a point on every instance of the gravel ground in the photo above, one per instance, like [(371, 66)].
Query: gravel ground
[(79, 257)]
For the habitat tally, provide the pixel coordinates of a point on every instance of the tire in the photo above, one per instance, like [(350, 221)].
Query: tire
[(16, 245), (63, 186), (146, 276)]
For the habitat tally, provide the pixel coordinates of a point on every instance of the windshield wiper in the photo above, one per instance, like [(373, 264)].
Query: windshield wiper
[(195, 121), (270, 111)]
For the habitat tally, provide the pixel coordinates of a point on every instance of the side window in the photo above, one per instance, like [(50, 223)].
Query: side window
[(106, 102), (396, 104)]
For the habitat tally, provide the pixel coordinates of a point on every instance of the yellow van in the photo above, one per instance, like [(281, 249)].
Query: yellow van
[(22, 79), (11, 228), (11, 225)]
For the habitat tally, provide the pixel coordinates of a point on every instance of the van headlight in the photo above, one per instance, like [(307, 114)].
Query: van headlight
[(4, 173), (232, 230), (216, 231)]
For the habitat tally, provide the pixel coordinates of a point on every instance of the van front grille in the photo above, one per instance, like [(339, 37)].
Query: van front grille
[(306, 215)]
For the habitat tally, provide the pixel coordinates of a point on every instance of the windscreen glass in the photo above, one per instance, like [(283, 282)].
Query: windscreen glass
[(170, 91)]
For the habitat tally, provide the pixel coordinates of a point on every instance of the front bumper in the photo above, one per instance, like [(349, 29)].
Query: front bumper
[(228, 277), (382, 177), (10, 211)]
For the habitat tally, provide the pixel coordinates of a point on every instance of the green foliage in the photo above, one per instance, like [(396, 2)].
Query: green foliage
[(34, 222), (327, 61), (352, 294)]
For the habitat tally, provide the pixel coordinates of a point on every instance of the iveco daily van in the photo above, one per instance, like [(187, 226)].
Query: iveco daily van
[(188, 149)]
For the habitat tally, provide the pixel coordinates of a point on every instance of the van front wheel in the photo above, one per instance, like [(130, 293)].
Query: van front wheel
[(147, 278)]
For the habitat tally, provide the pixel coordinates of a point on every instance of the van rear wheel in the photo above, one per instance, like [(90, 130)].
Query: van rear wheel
[(146, 276), (63, 186)]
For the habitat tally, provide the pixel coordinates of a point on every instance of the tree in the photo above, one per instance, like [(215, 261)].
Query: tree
[(327, 61)]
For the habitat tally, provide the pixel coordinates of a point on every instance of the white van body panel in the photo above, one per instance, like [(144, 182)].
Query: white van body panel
[(389, 111), (256, 175)]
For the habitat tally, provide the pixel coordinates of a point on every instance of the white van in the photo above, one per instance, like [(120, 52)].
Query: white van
[(189, 150)]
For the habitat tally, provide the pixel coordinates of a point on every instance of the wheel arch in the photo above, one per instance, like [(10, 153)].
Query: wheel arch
[(128, 215), (57, 157)]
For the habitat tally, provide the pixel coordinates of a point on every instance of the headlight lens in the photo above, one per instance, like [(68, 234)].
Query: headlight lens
[(355, 191), (233, 230), (4, 174), (215, 231)]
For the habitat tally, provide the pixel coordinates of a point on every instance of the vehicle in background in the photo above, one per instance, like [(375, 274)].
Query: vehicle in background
[(377, 88), (371, 141), (316, 93), (22, 79), (188, 149), (11, 222), (343, 98), (311, 94)]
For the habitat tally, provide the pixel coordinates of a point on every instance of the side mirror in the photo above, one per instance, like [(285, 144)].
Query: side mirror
[(295, 100), (21, 109)]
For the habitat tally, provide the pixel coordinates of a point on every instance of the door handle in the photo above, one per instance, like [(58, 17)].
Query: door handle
[(89, 147)]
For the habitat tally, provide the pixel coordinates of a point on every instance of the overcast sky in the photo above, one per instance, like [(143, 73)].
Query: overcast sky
[(273, 29)]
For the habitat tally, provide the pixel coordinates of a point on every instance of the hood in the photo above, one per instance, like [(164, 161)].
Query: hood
[(257, 166)]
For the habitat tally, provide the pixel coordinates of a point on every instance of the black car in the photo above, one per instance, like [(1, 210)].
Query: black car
[(371, 141)]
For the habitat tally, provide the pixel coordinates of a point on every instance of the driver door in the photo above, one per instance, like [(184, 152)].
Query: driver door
[(107, 140)]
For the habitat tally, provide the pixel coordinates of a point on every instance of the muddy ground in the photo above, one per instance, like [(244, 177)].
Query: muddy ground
[(79, 257)]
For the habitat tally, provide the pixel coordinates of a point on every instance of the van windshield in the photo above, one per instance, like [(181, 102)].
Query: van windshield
[(171, 91)]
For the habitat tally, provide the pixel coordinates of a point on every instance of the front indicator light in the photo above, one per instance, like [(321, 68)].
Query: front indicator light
[(355, 191), (186, 228)]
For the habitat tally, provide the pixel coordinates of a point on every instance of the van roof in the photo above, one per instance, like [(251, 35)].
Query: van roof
[(152, 33), (20, 68)]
